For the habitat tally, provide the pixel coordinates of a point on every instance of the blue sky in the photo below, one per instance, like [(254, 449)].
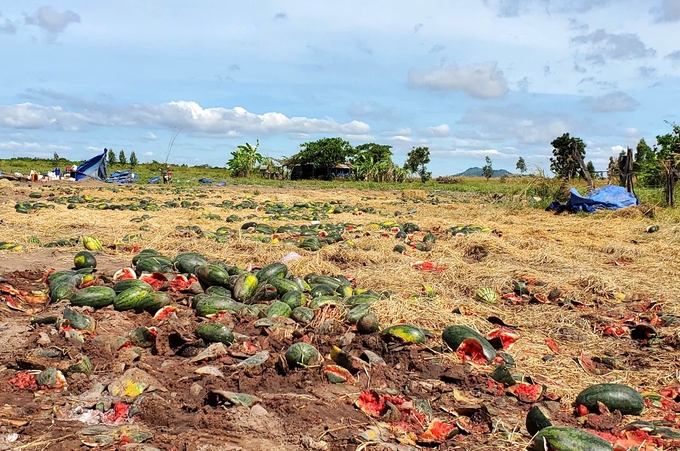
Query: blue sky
[(467, 78)]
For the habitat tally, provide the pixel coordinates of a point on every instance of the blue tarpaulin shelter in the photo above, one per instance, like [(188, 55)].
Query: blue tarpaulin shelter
[(608, 197), (94, 168)]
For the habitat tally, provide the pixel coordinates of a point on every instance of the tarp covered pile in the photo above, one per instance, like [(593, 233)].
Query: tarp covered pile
[(608, 197)]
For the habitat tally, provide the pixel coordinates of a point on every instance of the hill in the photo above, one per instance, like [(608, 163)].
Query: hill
[(477, 172)]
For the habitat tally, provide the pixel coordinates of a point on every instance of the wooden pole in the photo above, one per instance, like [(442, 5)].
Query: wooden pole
[(576, 156), (629, 172)]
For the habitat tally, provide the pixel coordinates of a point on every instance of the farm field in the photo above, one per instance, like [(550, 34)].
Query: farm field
[(579, 300)]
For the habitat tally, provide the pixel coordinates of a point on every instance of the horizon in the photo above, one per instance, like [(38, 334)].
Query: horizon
[(497, 78)]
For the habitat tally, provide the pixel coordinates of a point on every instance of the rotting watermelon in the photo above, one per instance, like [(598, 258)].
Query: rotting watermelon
[(619, 397)]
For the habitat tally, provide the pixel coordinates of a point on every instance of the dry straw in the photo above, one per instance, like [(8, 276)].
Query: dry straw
[(592, 259)]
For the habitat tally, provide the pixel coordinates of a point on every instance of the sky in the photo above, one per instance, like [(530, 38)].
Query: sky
[(466, 78)]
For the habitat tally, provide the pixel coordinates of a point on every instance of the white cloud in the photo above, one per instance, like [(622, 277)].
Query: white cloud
[(482, 81), (186, 115), (93, 149), (669, 11), (32, 149), (53, 22), (400, 131), (438, 131), (474, 153), (148, 154), (622, 46), (150, 137)]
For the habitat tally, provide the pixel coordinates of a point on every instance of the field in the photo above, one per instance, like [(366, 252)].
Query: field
[(589, 299)]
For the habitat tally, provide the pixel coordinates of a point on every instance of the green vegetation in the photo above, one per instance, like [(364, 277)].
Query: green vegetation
[(374, 169), (487, 169), (562, 148), (521, 165), (244, 159), (416, 161)]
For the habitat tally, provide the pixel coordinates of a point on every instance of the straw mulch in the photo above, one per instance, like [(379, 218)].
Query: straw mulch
[(593, 259)]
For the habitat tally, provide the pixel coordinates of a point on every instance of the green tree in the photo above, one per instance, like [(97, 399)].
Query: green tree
[(133, 160), (323, 153), (373, 162), (487, 170), (521, 165), (111, 158), (121, 157), (244, 159), (562, 151), (416, 160), (591, 170)]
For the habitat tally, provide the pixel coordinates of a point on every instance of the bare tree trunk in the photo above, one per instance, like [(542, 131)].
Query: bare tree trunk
[(576, 155)]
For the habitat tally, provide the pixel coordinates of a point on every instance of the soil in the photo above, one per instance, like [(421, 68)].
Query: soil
[(166, 404)]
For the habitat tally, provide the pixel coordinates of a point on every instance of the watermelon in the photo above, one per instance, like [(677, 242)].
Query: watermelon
[(619, 397), (358, 299), (188, 262), (564, 438), (279, 309), (125, 284), (486, 295), (212, 305), (79, 321), (218, 291), (96, 297), (212, 274), (283, 286), (302, 355), (469, 344), (537, 420), (128, 299), (215, 333), (294, 299), (405, 333), (321, 290), (275, 269), (368, 324), (154, 263), (357, 312), (245, 286), (153, 302), (144, 253), (321, 301), (63, 290), (84, 259), (302, 315)]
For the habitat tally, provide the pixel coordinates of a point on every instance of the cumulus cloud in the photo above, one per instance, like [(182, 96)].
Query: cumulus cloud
[(612, 102), (482, 81), (622, 46), (189, 116), (148, 154), (669, 11), (53, 22), (674, 58), (151, 137), (438, 131)]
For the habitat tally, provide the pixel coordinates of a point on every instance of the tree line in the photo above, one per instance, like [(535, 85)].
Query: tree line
[(369, 161), (122, 159)]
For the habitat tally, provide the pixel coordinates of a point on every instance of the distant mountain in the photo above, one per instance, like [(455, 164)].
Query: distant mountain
[(477, 172)]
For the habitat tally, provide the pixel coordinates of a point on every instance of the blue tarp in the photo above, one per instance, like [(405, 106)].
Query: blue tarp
[(608, 197), (94, 168), (206, 181), (221, 184), (154, 180)]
